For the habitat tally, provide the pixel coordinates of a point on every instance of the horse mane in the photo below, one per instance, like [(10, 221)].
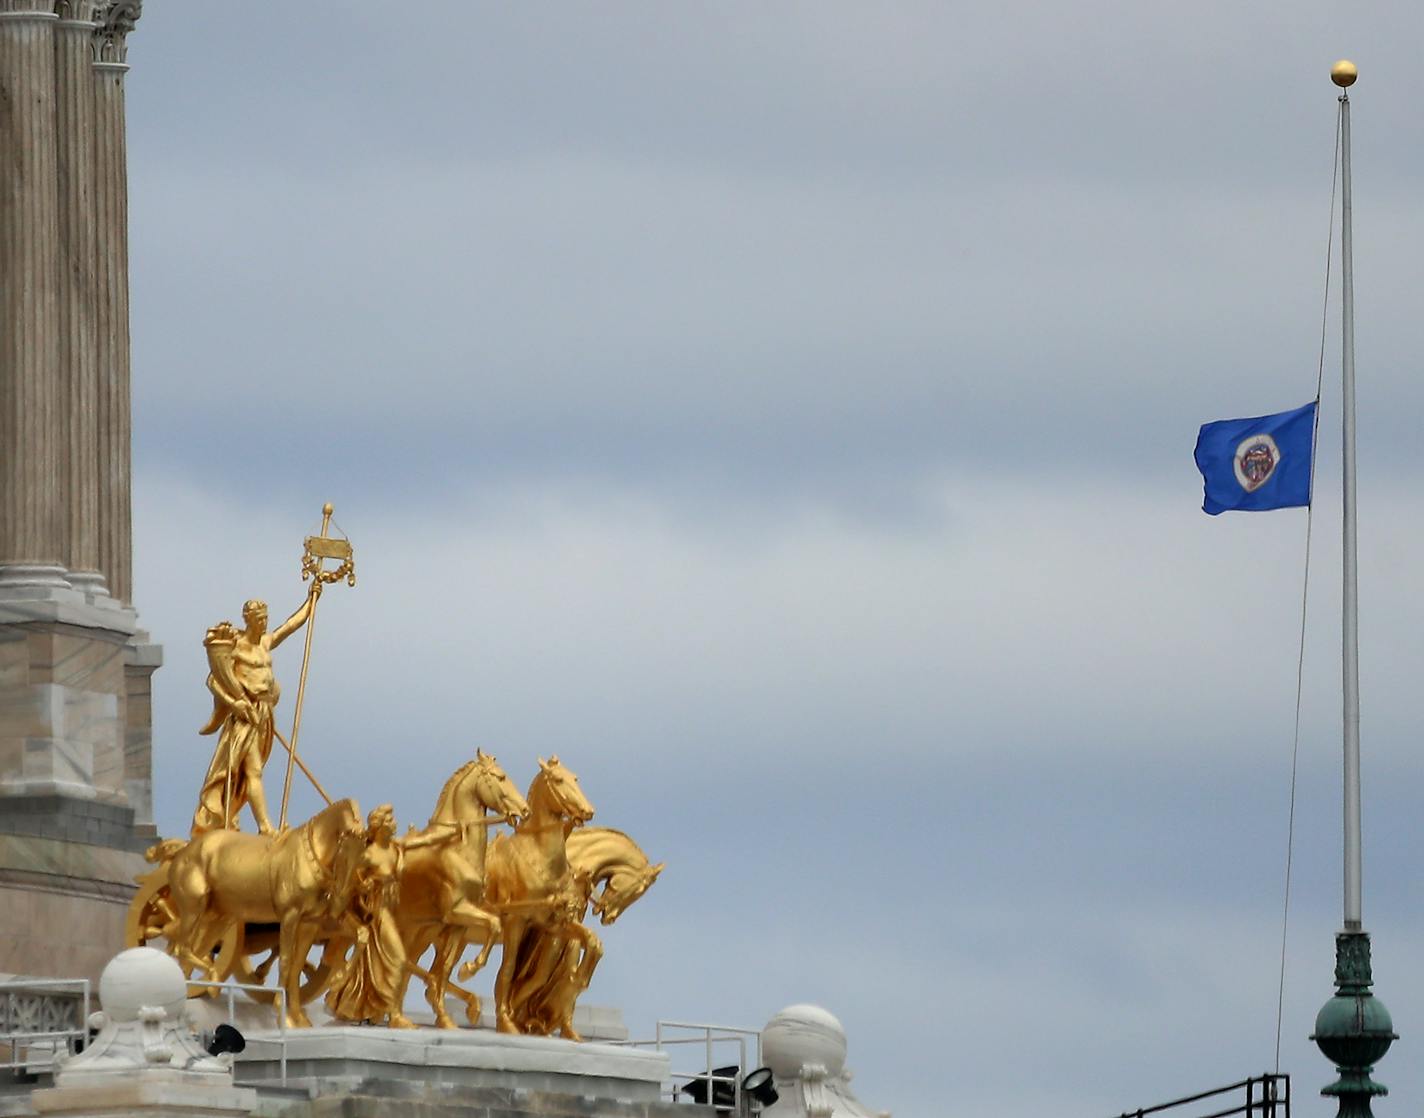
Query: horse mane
[(597, 851), (449, 790)]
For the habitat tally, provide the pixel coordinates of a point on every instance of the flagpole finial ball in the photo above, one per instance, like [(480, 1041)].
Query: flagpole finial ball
[(326, 509), (1344, 73)]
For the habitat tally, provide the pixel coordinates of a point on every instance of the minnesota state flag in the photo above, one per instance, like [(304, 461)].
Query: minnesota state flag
[(1257, 464)]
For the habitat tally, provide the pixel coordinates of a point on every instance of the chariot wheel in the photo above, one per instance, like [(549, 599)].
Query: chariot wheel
[(151, 910)]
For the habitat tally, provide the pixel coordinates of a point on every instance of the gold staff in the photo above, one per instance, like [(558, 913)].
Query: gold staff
[(318, 550), (303, 766)]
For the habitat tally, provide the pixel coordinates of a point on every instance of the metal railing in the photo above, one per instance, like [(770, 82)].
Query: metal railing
[(32, 1024), (1267, 1096), (279, 1010), (711, 1039)]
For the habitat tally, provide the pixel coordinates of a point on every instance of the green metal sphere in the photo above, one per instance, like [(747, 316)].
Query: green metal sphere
[(1353, 1030)]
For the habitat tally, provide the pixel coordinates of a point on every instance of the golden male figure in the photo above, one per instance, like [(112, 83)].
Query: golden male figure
[(244, 695)]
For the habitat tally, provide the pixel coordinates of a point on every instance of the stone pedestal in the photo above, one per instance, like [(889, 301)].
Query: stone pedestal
[(146, 1061), (63, 700), (75, 736), (64, 894), (147, 1093), (343, 1059)]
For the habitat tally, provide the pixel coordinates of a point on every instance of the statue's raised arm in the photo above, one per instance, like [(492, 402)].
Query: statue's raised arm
[(299, 616)]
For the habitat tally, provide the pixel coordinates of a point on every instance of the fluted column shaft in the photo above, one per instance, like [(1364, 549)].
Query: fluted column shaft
[(78, 279), (31, 449), (115, 538)]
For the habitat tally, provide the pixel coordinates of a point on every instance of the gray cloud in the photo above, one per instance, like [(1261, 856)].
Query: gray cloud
[(785, 415)]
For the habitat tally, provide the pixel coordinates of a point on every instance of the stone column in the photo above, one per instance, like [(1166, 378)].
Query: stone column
[(72, 749), (31, 549), (78, 253), (112, 304)]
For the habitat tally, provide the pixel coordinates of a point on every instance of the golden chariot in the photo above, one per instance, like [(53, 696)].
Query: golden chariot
[(340, 905)]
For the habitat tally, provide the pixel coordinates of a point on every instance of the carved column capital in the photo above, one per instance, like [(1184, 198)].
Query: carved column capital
[(115, 19), (78, 12)]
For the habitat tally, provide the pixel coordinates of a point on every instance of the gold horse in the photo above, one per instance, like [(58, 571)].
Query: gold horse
[(529, 882), (609, 872), (442, 886), (290, 879), (603, 856), (600, 856)]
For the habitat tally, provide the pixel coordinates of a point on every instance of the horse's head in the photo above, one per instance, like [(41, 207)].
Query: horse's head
[(491, 787), (334, 832), (622, 888), (337, 817), (555, 791), (350, 848)]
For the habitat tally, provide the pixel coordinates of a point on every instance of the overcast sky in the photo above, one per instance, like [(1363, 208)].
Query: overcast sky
[(784, 414)]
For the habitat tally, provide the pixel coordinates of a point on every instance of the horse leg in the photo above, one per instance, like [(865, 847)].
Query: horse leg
[(451, 942), (164, 911), (462, 911), (293, 944), (513, 934), (492, 935), (438, 976), (470, 917), (592, 953), (575, 980), (491, 938), (190, 894), (411, 949)]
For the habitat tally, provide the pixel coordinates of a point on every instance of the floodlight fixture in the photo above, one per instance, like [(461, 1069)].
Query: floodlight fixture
[(759, 1085), (226, 1039)]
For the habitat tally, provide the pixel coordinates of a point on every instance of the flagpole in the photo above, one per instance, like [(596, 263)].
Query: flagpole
[(1350, 628), (1353, 1029)]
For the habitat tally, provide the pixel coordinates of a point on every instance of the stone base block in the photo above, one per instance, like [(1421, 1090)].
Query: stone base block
[(37, 582), (63, 692), (400, 1099), (339, 1060), (63, 905), (147, 1093)]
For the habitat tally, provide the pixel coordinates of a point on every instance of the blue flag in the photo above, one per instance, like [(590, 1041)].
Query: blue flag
[(1257, 464)]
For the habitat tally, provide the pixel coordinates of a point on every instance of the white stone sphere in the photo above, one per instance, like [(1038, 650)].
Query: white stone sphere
[(138, 977), (800, 1035)]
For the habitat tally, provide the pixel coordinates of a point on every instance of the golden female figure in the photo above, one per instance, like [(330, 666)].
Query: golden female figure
[(370, 984)]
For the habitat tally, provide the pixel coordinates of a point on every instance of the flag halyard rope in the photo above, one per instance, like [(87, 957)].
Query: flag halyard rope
[(1305, 594)]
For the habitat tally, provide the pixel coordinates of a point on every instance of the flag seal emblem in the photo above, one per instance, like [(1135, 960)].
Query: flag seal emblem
[(1257, 463), (1256, 459)]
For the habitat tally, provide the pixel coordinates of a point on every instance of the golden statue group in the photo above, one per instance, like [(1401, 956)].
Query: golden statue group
[(348, 908)]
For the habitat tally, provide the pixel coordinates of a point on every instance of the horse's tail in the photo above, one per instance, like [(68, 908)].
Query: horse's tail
[(165, 850)]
